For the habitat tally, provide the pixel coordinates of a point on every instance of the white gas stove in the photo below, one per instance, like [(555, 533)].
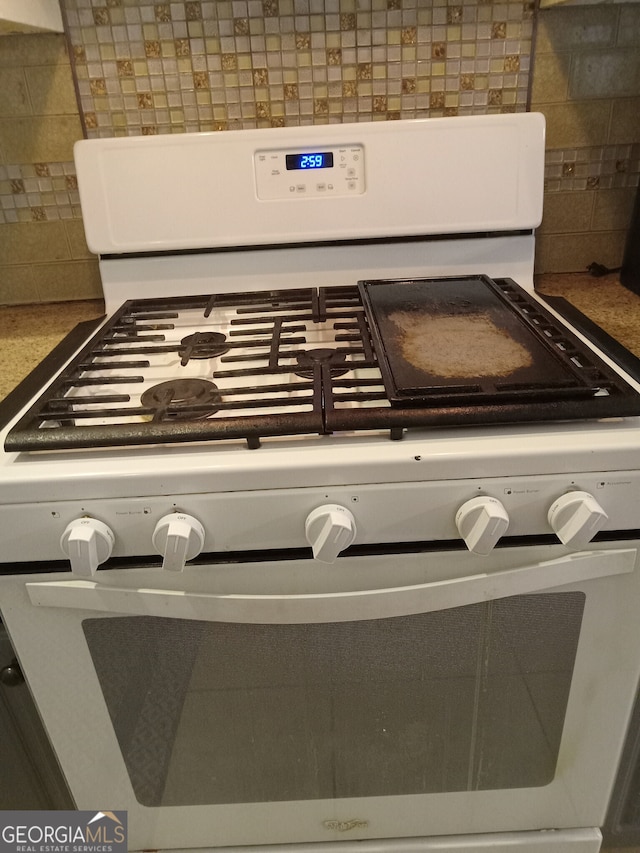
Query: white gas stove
[(323, 358)]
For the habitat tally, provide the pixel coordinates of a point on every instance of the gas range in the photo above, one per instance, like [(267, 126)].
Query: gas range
[(310, 330), (333, 521)]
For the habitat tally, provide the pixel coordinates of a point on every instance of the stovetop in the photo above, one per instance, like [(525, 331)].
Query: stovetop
[(319, 361)]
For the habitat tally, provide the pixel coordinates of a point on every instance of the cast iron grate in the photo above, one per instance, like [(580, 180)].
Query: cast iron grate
[(271, 377), (266, 339)]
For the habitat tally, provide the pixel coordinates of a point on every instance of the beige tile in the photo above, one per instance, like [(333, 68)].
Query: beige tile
[(36, 49), (550, 77), (629, 28), (68, 281), (576, 124), (14, 97), (51, 89), (39, 139), (605, 73), (574, 252), (625, 849), (567, 212), (625, 121), (32, 242), (17, 285), (613, 208), (570, 28), (542, 264), (77, 241)]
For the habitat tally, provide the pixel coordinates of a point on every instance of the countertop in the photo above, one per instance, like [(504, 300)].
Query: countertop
[(29, 332), (604, 300)]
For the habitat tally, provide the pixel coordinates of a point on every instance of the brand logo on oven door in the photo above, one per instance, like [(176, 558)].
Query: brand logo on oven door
[(345, 825), (63, 832)]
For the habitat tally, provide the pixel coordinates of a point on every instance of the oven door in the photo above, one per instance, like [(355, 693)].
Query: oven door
[(385, 696)]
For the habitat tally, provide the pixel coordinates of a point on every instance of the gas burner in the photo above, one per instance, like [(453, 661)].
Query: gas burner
[(311, 357), (181, 395), (203, 345)]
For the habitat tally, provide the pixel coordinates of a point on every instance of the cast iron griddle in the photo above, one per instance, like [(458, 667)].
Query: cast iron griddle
[(470, 337)]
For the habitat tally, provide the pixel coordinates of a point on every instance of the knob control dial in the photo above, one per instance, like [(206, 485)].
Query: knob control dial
[(481, 522), (87, 543), (576, 517), (329, 530), (178, 537)]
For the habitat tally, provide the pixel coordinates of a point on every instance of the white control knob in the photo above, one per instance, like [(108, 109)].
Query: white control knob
[(481, 522), (87, 543), (329, 530), (178, 537), (575, 518)]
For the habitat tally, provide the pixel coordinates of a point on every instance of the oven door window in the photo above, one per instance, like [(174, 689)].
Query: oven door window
[(468, 699)]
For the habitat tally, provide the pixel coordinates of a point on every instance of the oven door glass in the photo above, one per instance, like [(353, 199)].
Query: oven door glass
[(286, 702), (467, 699)]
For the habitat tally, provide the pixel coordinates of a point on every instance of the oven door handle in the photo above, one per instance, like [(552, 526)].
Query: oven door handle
[(352, 606)]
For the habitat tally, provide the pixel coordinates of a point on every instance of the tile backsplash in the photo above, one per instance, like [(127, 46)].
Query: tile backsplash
[(586, 80), (143, 67), (43, 256), (148, 67)]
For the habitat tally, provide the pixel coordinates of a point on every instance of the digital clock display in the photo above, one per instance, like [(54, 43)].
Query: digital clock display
[(319, 160)]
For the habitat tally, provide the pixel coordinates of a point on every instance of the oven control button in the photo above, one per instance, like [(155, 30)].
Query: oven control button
[(178, 537), (481, 522), (576, 517), (329, 530), (87, 543)]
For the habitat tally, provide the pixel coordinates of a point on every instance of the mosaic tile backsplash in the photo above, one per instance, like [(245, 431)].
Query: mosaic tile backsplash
[(592, 167), (39, 192), (130, 67), (147, 67)]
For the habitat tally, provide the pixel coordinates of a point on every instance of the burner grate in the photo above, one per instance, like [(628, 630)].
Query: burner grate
[(270, 372), (258, 392)]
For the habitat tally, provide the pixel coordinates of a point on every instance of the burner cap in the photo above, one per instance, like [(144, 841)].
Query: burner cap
[(180, 395), (312, 357), (203, 345)]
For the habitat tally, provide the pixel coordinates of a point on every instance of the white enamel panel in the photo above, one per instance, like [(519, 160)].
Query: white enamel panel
[(352, 606), (318, 266), (275, 518), (314, 266), (215, 468), (426, 176), (545, 841)]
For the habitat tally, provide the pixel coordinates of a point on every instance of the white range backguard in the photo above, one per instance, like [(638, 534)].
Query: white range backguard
[(263, 697), (206, 190)]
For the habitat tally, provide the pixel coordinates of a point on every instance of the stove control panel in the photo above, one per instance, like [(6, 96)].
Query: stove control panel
[(323, 172), (475, 512)]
